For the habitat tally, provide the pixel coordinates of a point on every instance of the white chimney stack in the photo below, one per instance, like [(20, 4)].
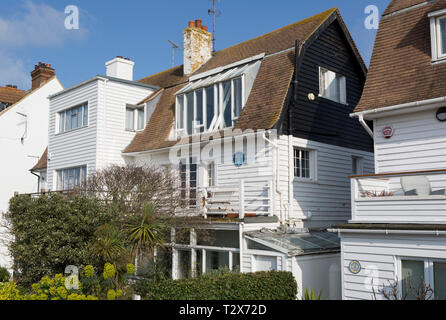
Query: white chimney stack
[(120, 68), (197, 46)]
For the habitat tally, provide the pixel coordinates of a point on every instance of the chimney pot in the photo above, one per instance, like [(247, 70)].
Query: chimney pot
[(204, 28), (191, 24), (197, 46), (198, 23)]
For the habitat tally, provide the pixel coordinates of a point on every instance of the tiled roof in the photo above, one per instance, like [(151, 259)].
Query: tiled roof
[(42, 163), (401, 70), (265, 103), (10, 95)]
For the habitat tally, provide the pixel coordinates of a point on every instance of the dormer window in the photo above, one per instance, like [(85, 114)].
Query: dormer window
[(210, 108), (438, 34), (215, 99), (134, 118)]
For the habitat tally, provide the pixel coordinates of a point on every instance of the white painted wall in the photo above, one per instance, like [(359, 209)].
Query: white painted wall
[(326, 200), (100, 143), (378, 256), (17, 157), (418, 143)]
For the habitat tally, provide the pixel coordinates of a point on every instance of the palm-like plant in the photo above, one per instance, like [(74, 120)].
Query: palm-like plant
[(109, 244), (146, 233), (310, 295)]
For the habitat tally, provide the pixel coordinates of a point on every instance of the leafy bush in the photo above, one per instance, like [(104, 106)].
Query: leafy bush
[(9, 291), (4, 275), (271, 285), (51, 232)]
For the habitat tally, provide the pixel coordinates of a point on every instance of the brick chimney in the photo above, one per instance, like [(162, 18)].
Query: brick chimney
[(197, 46), (41, 73)]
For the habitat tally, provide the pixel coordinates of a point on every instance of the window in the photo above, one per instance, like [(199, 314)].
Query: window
[(210, 173), (209, 108), (68, 179), (357, 165), (438, 34), (332, 86), (73, 118), (302, 164), (430, 272), (134, 118)]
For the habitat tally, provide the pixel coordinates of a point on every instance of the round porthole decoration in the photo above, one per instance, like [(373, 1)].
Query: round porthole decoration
[(354, 267), (239, 159), (441, 114)]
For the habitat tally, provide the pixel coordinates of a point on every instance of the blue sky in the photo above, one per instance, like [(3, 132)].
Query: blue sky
[(33, 31)]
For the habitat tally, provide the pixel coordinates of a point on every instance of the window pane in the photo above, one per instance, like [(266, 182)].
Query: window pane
[(86, 115), (440, 280), (62, 122), (297, 168), (180, 112), (199, 115), (141, 119), (210, 112), (238, 101), (79, 117), (443, 36), (129, 119), (412, 277), (190, 111), (74, 116), (226, 107), (68, 119)]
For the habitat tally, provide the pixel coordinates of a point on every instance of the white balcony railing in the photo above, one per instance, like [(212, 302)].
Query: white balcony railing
[(413, 197), (248, 199)]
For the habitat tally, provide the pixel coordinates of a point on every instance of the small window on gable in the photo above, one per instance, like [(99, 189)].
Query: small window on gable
[(134, 118), (357, 165), (332, 86), (438, 34)]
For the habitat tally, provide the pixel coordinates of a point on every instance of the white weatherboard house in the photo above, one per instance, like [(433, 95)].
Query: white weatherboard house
[(261, 137), (23, 137), (397, 233)]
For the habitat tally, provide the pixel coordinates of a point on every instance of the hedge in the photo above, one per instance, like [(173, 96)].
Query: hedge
[(271, 285)]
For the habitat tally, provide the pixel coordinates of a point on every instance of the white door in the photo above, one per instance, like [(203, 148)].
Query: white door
[(265, 263)]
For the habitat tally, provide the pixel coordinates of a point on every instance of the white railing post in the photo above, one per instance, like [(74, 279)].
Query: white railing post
[(242, 199), (270, 196), (354, 195)]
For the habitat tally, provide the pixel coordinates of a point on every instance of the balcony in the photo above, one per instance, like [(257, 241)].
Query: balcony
[(251, 198), (412, 197)]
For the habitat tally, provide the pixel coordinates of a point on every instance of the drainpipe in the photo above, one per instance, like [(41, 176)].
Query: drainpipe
[(38, 180), (277, 177), (366, 127)]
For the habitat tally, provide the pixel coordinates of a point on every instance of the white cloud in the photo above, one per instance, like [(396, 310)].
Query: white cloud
[(13, 71), (37, 25)]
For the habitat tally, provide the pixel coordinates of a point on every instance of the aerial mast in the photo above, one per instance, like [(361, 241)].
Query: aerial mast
[(214, 13)]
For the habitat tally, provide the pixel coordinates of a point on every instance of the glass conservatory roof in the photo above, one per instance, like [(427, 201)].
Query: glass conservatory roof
[(303, 243)]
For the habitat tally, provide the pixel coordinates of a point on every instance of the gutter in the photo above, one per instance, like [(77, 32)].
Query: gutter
[(390, 232), (427, 104)]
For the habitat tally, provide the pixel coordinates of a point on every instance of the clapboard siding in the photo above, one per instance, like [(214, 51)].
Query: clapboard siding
[(418, 144), (77, 147), (100, 143), (328, 198), (323, 120), (378, 255), (112, 135)]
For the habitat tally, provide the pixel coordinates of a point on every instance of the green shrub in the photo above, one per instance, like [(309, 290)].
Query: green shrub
[(4, 275), (271, 285), (9, 291), (51, 232)]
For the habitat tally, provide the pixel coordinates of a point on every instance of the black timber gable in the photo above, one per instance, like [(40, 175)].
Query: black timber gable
[(323, 120)]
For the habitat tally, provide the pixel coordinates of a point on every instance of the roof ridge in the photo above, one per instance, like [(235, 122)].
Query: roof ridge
[(159, 73)]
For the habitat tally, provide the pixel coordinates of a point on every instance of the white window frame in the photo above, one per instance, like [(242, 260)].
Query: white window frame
[(135, 110), (312, 163), (428, 270), (435, 18), (63, 114), (82, 177), (342, 86), (217, 123)]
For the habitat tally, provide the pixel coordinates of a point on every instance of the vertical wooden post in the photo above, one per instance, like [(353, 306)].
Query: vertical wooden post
[(242, 199), (203, 261), (230, 260), (193, 258)]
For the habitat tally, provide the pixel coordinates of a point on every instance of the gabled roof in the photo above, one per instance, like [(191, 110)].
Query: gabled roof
[(400, 69), (10, 95), (267, 98), (26, 94), (42, 163)]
